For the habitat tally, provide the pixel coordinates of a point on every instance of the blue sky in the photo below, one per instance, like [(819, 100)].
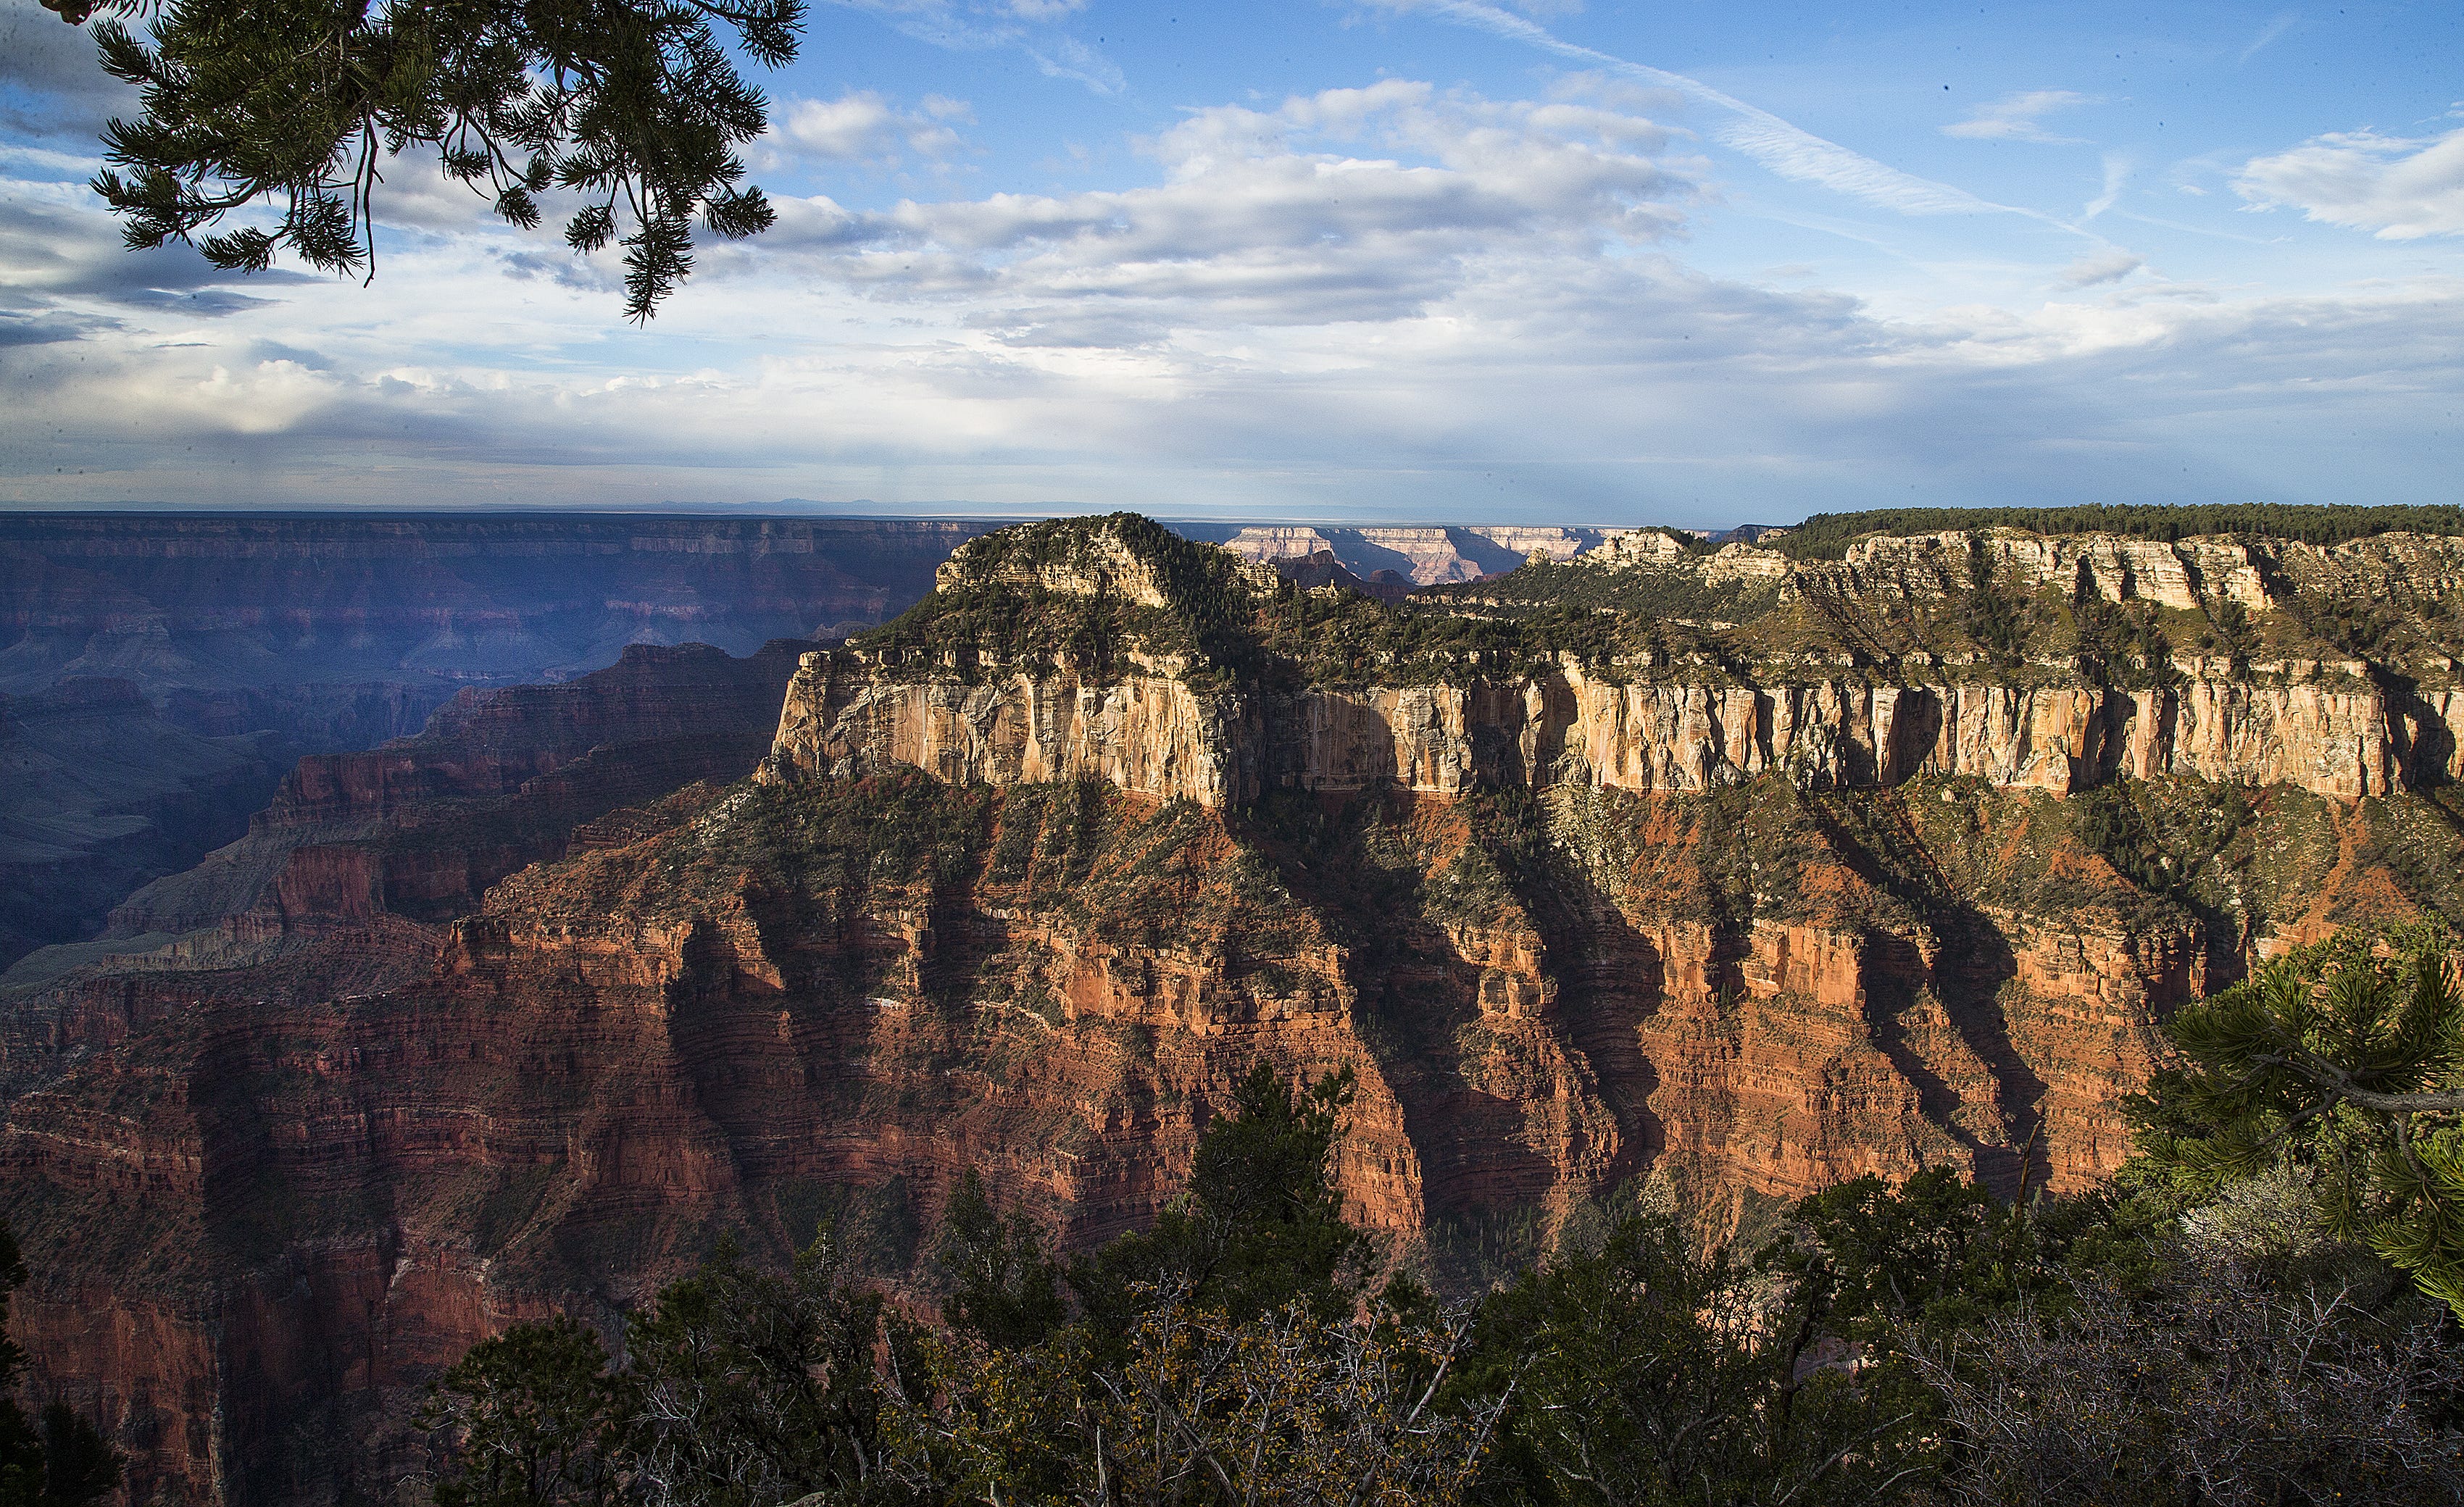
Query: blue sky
[(1429, 261)]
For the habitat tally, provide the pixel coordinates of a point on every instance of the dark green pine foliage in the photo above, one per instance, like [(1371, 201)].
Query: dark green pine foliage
[(744, 1389), (1995, 615), (1650, 1373), (1260, 1226), (2347, 1059), (535, 1412), (1004, 1289), (300, 105), (60, 1459), (1914, 1264), (751, 1388)]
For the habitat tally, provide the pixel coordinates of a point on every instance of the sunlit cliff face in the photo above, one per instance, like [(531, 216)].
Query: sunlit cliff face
[(1867, 671)]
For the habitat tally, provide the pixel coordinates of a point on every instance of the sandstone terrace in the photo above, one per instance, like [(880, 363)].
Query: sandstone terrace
[(2051, 663)]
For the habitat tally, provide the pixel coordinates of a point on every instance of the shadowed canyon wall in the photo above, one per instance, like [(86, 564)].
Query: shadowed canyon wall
[(317, 634)]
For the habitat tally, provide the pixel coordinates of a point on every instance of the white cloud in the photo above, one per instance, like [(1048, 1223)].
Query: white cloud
[(1562, 386), (2117, 167), (2019, 117), (861, 126), (2096, 268), (2401, 188), (1348, 205), (1397, 299)]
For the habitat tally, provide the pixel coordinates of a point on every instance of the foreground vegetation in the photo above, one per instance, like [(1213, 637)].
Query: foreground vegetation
[(2262, 1308), (52, 1457)]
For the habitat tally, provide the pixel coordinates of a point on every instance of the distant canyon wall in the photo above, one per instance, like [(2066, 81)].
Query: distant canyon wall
[(213, 603), (1427, 555), (308, 636)]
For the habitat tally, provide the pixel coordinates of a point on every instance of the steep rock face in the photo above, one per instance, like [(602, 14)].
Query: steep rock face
[(1151, 733), (1738, 705), (749, 1007), (1155, 735)]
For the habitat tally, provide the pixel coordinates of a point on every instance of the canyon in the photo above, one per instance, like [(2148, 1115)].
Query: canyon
[(1726, 873)]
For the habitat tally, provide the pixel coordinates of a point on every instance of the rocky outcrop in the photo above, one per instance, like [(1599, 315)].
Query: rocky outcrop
[(1641, 724)]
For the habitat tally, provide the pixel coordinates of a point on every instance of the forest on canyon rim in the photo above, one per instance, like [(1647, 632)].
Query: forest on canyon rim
[(1751, 1024)]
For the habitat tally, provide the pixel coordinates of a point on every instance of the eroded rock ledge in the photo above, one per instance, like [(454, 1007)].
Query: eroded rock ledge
[(1811, 688)]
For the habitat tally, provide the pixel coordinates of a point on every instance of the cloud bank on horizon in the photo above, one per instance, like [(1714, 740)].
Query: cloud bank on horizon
[(1427, 259)]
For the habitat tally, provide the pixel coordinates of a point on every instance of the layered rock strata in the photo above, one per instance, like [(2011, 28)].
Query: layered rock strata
[(749, 1010), (1834, 712), (1155, 735)]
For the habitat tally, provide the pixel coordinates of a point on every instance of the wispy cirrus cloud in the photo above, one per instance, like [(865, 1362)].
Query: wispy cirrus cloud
[(1031, 27), (2020, 118), (1784, 148), (2117, 167), (2399, 188), (2276, 26)]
